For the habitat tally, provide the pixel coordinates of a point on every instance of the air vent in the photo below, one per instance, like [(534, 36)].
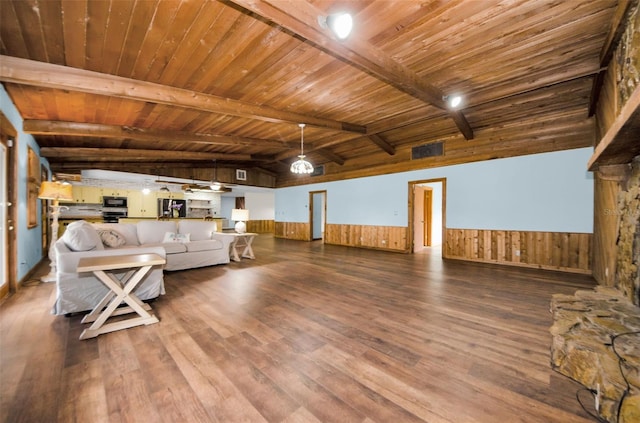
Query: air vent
[(318, 170), (427, 150)]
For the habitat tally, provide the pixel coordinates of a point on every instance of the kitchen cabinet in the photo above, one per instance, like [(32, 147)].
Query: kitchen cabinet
[(114, 192), (91, 195), (142, 205), (85, 195), (171, 195)]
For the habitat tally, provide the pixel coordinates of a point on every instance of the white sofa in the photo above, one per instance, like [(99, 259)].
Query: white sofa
[(195, 242), (186, 244)]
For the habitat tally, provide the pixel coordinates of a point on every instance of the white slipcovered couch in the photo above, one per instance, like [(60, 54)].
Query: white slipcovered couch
[(184, 244)]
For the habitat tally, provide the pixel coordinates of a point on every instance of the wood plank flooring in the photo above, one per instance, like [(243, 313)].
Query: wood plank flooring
[(306, 332)]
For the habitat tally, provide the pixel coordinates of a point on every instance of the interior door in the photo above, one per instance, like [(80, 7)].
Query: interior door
[(427, 221), (318, 208)]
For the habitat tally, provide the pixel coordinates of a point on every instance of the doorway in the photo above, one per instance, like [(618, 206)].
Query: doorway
[(8, 281), (427, 200), (317, 213)]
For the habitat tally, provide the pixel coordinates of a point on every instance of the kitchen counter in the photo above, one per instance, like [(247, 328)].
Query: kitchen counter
[(219, 220), (132, 219), (81, 217), (64, 221)]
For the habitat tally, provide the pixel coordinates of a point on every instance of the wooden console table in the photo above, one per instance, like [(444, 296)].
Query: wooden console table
[(119, 291), (242, 240)]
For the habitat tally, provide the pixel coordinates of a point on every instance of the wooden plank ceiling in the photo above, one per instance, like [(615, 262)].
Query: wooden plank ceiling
[(167, 87)]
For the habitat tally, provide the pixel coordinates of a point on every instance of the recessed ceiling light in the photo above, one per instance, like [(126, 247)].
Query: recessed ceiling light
[(453, 101), (340, 24)]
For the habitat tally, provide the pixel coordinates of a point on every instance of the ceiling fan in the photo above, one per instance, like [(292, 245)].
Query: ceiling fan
[(205, 188), (213, 186)]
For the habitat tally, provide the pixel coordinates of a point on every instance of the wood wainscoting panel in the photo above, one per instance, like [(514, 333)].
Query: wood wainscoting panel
[(393, 238), (260, 226), (293, 230), (570, 252)]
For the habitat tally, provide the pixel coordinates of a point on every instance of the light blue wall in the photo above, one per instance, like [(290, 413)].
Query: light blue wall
[(542, 192), (29, 248)]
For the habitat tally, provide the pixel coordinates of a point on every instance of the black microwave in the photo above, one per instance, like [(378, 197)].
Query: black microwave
[(114, 202)]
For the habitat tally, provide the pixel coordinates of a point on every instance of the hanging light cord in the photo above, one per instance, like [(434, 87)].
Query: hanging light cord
[(301, 125)]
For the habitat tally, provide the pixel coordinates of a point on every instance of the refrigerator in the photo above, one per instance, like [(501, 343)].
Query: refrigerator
[(172, 208)]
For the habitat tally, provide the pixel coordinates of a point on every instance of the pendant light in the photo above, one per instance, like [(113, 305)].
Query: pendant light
[(301, 165)]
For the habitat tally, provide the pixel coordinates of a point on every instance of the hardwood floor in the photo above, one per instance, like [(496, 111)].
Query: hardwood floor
[(305, 333)]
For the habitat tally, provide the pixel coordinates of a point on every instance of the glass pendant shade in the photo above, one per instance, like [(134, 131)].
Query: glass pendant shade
[(301, 165)]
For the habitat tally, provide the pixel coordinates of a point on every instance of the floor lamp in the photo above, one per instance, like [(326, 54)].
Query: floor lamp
[(54, 191)]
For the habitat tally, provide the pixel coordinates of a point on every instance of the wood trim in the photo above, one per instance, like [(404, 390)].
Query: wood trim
[(620, 143), (8, 131), (563, 251)]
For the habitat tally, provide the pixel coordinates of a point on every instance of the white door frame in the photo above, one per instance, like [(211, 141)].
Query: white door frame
[(411, 210)]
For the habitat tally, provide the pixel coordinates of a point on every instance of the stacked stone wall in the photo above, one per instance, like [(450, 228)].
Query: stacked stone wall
[(628, 244), (596, 341)]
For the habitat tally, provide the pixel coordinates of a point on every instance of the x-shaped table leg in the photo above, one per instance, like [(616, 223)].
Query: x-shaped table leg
[(119, 291)]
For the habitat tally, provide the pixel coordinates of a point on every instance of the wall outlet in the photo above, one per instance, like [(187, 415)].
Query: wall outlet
[(384, 241), (517, 253)]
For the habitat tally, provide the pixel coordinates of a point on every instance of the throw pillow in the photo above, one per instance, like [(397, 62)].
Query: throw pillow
[(111, 238), (174, 237), (81, 236)]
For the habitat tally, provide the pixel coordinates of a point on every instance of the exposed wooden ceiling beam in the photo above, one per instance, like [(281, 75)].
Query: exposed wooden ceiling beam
[(330, 155), (46, 75), (48, 127), (356, 52), (383, 144), (122, 154), (152, 167)]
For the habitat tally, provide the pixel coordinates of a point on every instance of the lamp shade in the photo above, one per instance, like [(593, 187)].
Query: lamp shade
[(240, 215), (51, 190)]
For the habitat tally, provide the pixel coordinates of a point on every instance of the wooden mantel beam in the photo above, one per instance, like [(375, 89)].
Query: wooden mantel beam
[(127, 154), (301, 18), (77, 129), (46, 75)]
